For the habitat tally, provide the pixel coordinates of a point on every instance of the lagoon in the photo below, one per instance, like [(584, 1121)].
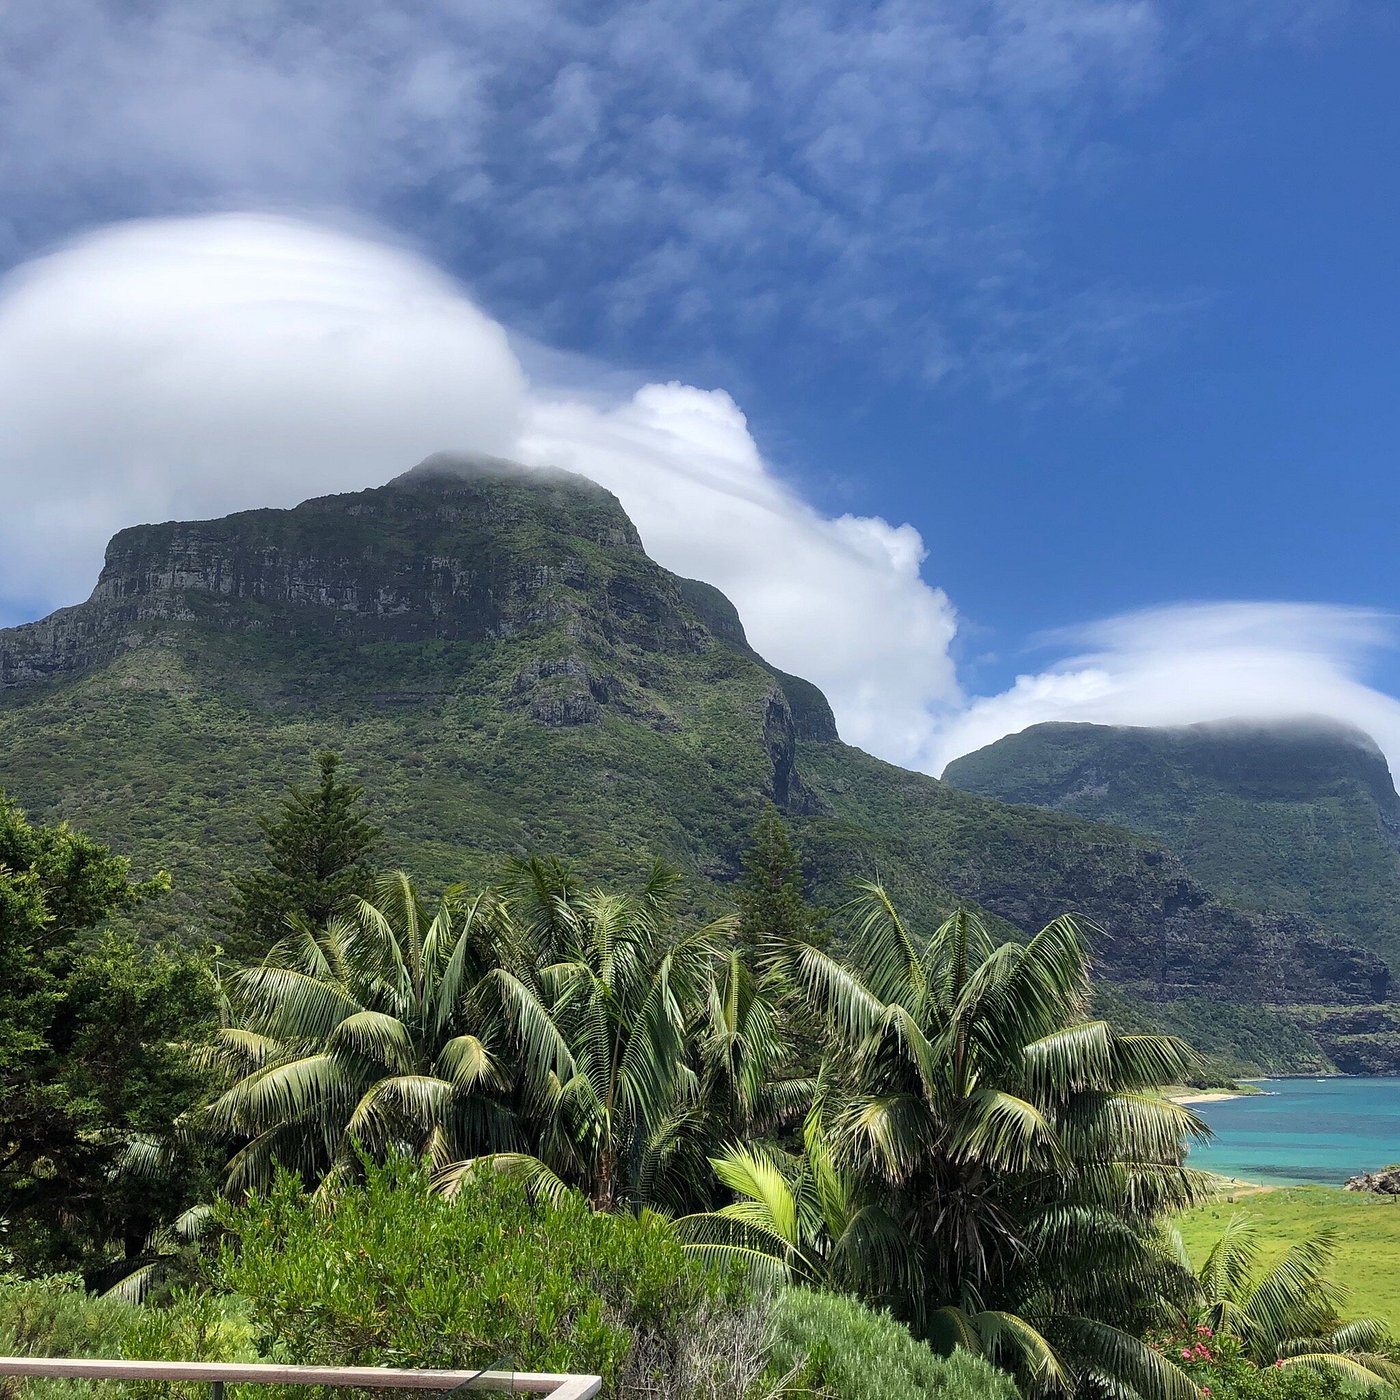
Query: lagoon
[(1311, 1131)]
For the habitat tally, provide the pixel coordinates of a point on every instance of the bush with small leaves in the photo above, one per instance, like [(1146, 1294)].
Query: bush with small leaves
[(830, 1345), (1217, 1363), (196, 1325), (55, 1317), (390, 1273)]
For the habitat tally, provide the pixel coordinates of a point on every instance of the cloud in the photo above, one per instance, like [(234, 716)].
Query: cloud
[(1195, 662), (840, 601), (191, 367), (186, 368), (648, 177)]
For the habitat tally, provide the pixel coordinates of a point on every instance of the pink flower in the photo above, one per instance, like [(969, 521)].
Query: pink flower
[(1186, 1353), (1205, 1390), (1278, 1365)]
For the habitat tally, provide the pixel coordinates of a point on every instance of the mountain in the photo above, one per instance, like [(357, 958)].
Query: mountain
[(507, 670), (1299, 816), (1295, 816)]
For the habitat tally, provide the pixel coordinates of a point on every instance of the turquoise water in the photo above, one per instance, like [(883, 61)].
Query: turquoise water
[(1317, 1131)]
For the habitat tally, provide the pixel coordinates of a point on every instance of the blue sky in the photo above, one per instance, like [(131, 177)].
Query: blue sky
[(1100, 296)]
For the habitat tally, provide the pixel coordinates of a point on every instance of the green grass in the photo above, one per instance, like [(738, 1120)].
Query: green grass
[(1368, 1250)]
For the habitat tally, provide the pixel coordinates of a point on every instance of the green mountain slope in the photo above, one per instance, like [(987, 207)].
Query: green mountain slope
[(1300, 816), (506, 670)]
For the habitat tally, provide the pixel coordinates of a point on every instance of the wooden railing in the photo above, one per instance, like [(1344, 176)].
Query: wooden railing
[(216, 1374)]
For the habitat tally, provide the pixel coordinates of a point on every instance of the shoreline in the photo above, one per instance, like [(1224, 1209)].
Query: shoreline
[(1207, 1096), (1234, 1187), (1214, 1095)]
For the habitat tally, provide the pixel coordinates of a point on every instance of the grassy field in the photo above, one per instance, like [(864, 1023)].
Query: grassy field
[(1368, 1251)]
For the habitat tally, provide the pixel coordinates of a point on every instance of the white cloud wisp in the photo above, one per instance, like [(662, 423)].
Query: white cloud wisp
[(884, 158)]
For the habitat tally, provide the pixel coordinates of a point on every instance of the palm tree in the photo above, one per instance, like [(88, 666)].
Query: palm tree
[(619, 1113), (1018, 1146), (1286, 1314), (386, 1030), (742, 1051), (798, 1219)]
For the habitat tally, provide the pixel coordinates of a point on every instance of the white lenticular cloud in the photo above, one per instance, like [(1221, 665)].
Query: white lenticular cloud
[(186, 368), (1196, 662), (190, 367)]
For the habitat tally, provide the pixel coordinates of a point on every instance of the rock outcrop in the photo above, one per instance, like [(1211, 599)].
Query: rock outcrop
[(1385, 1182)]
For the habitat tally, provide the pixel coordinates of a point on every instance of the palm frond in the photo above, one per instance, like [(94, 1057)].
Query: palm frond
[(533, 1172)]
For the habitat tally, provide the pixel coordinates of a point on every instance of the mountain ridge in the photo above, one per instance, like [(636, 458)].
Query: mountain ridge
[(1277, 814), (507, 670)]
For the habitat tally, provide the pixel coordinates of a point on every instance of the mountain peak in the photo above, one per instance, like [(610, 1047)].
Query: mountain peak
[(455, 468)]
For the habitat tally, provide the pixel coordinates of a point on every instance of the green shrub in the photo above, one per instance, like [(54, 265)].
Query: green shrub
[(191, 1326), (825, 1342), (1217, 1364), (391, 1274), (55, 1317)]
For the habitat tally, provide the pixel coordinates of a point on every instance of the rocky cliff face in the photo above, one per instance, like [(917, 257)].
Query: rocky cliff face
[(507, 671), (460, 548), (1288, 819), (464, 551)]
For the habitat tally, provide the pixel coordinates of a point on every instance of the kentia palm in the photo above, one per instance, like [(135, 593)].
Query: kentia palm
[(1286, 1314), (386, 1030), (618, 1113), (1020, 1149), (798, 1219), (743, 1053)]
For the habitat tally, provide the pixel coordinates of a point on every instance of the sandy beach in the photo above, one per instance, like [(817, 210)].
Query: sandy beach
[(1207, 1095)]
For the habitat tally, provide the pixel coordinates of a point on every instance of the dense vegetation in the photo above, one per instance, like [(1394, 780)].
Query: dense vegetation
[(95, 1034), (1299, 818), (496, 1104), (672, 1121)]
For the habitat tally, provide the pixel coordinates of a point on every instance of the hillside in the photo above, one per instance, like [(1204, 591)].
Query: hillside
[(505, 668), (1300, 816)]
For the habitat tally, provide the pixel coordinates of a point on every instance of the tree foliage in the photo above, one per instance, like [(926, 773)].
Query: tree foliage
[(980, 1155), (384, 1030), (970, 1148), (828, 1345), (1288, 1313), (316, 859), (95, 1039), (773, 908)]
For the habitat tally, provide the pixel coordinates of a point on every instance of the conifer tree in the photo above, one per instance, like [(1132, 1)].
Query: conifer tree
[(770, 898), (317, 850)]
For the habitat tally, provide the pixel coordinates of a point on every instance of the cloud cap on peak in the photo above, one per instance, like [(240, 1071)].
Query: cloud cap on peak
[(1199, 662), (190, 367)]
